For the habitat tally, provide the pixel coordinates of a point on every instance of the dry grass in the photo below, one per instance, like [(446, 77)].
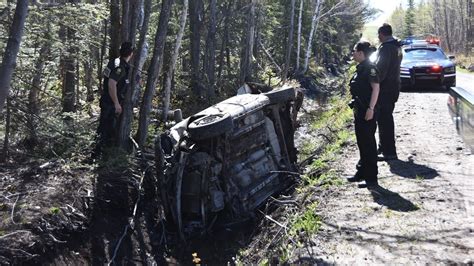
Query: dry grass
[(464, 61)]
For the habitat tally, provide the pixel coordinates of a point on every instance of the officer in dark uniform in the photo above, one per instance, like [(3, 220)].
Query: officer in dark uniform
[(365, 89), (115, 84), (388, 63)]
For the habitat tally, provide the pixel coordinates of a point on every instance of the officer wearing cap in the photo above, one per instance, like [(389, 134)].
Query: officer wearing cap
[(365, 89), (115, 84)]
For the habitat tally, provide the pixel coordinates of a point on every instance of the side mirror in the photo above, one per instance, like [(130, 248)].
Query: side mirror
[(451, 57)]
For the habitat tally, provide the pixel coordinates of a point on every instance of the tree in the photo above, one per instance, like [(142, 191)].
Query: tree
[(125, 123), (298, 46), (68, 69), (314, 27), (247, 49), (290, 42), (210, 58), (115, 39), (195, 23), (153, 71), (11, 51), (174, 57), (409, 19)]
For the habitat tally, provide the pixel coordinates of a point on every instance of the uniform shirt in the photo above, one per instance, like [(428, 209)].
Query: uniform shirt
[(117, 69), (365, 74), (388, 63)]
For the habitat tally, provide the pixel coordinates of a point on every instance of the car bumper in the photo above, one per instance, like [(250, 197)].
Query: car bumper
[(410, 79)]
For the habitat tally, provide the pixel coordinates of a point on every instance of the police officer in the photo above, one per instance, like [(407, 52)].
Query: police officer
[(364, 87), (115, 85), (388, 63)]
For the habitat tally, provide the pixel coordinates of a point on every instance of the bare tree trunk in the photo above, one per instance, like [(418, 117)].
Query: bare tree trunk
[(136, 7), (446, 27), (6, 140), (125, 123), (88, 79), (246, 59), (11, 51), (174, 58), (125, 25), (437, 22), (267, 53), (68, 70), (114, 29), (100, 66), (225, 39), (195, 22), (210, 58), (298, 48), (33, 109), (153, 71), (469, 29), (290, 42), (314, 27)]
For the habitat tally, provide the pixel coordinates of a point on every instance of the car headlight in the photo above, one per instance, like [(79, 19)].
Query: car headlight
[(450, 69)]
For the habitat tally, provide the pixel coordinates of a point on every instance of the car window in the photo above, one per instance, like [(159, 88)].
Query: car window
[(423, 54)]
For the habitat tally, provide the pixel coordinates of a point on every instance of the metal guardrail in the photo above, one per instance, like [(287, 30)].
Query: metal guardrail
[(461, 108)]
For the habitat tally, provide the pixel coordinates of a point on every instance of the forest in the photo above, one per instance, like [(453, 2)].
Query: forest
[(450, 20), (188, 56)]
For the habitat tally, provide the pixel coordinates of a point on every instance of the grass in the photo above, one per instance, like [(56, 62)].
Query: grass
[(54, 210), (309, 221), (334, 121), (464, 60), (304, 221), (462, 70), (419, 177)]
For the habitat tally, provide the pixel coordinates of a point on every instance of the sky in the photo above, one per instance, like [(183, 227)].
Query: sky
[(386, 7)]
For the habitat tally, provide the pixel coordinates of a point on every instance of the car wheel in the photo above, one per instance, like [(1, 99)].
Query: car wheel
[(208, 126), (281, 95)]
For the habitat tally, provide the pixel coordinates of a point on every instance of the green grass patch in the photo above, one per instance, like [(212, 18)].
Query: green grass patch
[(334, 123), (463, 70), (308, 222), (54, 210), (419, 177)]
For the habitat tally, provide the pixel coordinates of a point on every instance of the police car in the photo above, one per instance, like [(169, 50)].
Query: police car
[(425, 64)]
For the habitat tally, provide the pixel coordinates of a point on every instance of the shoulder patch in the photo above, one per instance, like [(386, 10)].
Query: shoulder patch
[(373, 73), (117, 62), (106, 72)]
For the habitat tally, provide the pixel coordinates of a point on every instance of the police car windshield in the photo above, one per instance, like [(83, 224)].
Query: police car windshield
[(423, 54)]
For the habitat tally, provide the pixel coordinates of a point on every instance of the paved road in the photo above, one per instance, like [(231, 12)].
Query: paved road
[(465, 81)]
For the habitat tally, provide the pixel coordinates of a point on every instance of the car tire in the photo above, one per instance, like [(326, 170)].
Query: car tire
[(208, 126), (281, 95)]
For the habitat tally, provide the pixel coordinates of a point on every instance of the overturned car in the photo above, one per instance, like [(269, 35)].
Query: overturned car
[(222, 163)]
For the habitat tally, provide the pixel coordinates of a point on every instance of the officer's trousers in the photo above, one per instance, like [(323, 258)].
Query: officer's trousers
[(365, 135), (386, 129), (107, 130)]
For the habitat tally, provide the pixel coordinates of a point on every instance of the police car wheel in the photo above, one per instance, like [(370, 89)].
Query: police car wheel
[(208, 126)]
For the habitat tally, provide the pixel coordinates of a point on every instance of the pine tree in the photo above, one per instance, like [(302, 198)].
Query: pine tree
[(409, 19)]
